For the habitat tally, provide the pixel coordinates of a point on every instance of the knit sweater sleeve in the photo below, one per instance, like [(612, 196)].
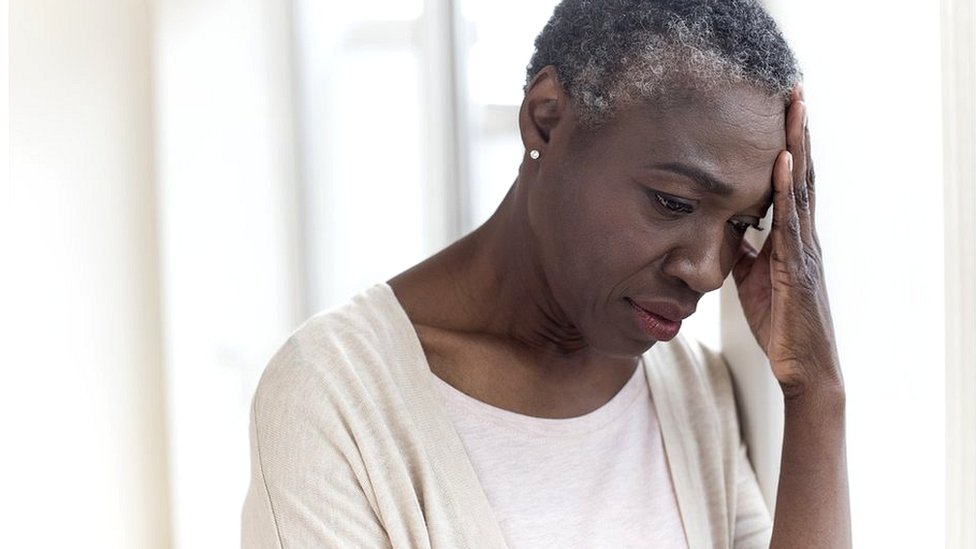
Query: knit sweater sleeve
[(307, 487)]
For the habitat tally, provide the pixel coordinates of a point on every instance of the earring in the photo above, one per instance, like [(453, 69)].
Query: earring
[(534, 154)]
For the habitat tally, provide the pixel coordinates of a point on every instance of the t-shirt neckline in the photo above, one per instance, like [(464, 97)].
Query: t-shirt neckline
[(635, 386), (621, 403)]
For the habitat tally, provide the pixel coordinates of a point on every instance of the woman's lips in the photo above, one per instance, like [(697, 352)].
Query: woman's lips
[(654, 325)]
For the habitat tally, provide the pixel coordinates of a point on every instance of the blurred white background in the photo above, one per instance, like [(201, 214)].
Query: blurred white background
[(190, 179)]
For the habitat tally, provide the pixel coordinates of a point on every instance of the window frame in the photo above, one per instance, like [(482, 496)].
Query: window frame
[(959, 127)]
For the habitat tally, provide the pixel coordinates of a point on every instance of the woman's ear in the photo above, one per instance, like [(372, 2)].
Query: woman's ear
[(545, 105)]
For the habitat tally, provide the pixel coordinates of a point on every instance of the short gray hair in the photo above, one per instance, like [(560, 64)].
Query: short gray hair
[(611, 53)]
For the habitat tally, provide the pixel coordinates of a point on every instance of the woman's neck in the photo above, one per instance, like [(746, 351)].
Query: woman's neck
[(491, 327), (491, 283)]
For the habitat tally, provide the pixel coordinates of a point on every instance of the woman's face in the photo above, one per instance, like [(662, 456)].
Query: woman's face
[(648, 212)]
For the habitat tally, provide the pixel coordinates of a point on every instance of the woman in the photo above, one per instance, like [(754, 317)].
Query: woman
[(526, 386)]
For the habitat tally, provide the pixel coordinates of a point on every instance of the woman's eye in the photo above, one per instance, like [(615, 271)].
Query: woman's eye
[(673, 205), (740, 227)]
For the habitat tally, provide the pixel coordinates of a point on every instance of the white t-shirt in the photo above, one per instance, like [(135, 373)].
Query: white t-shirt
[(600, 480)]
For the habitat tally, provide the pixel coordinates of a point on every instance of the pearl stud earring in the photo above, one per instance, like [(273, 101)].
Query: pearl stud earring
[(534, 154)]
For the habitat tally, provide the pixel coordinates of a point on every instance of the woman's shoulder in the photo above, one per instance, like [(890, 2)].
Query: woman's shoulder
[(348, 351)]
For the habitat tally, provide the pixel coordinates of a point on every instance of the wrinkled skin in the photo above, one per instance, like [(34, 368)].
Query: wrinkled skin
[(782, 287)]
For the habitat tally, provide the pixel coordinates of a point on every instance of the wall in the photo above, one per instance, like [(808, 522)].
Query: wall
[(84, 455)]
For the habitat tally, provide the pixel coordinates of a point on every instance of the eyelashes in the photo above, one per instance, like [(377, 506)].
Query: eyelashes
[(675, 206), (741, 226)]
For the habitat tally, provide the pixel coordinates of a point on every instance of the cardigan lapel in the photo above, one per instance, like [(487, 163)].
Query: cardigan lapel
[(683, 463), (473, 520)]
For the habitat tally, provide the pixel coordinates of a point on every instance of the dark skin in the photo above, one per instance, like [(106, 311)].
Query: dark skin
[(530, 311)]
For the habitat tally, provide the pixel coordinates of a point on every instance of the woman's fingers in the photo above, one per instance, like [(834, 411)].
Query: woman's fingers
[(787, 242), (811, 176), (799, 94), (796, 143)]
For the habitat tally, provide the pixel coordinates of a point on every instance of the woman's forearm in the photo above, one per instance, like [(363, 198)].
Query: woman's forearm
[(812, 502)]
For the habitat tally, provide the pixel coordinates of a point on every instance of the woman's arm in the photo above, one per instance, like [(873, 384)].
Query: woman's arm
[(784, 297)]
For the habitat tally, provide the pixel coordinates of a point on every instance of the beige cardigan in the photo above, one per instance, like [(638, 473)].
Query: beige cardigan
[(352, 447)]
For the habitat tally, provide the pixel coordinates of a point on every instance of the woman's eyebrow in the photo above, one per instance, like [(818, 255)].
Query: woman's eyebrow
[(710, 183)]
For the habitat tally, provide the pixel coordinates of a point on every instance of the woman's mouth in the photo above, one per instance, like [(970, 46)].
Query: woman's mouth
[(656, 326)]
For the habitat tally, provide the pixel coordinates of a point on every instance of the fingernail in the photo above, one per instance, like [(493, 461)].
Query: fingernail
[(789, 160)]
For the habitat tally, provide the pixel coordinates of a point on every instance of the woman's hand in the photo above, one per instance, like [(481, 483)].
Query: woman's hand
[(784, 297), (782, 288)]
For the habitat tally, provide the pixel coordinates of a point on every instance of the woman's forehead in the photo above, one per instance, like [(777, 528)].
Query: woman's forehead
[(732, 138), (737, 128)]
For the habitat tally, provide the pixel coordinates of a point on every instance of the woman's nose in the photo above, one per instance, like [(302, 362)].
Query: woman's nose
[(698, 261)]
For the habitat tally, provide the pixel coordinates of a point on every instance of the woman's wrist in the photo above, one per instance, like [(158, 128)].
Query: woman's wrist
[(826, 396)]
